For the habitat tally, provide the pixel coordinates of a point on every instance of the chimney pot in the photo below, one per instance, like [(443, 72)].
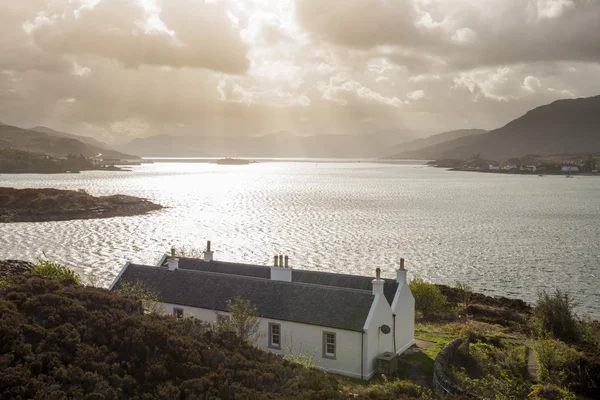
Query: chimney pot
[(402, 263), (378, 273), (287, 259), (173, 251), (281, 260), (208, 245), (276, 261), (208, 254)]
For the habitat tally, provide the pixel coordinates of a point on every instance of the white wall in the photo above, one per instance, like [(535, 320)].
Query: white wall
[(377, 342), (404, 308), (302, 338)]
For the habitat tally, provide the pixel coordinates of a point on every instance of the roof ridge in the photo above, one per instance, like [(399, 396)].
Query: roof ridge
[(327, 287), (293, 269)]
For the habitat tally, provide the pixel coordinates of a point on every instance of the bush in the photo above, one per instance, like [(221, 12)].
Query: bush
[(60, 340), (554, 315), (466, 291), (396, 389), (491, 369), (554, 357), (550, 392), (47, 269), (428, 297)]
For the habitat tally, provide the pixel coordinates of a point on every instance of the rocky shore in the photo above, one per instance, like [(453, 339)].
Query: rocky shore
[(14, 267), (42, 205)]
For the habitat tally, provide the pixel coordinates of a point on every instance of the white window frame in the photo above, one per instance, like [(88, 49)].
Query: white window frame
[(272, 335), (333, 342)]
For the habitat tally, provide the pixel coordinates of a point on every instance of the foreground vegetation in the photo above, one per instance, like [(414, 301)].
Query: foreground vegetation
[(60, 339), (498, 333), (36, 205)]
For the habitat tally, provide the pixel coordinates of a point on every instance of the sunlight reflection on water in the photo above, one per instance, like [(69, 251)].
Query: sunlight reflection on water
[(507, 235)]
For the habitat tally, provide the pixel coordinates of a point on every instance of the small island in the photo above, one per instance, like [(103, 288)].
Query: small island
[(234, 161), (42, 205)]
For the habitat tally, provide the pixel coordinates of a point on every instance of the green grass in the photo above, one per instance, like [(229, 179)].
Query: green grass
[(438, 343), (418, 367)]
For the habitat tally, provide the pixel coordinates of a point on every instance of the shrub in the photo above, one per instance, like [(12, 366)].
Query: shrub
[(466, 291), (428, 297), (550, 392), (553, 357), (47, 269), (554, 315), (396, 389), (63, 341)]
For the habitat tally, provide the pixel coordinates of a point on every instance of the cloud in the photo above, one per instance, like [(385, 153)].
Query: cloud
[(183, 34), (461, 34), (122, 69)]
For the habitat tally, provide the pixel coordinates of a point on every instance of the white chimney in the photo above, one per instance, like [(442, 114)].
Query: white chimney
[(173, 263), (208, 254), (378, 283), (401, 273), (281, 271)]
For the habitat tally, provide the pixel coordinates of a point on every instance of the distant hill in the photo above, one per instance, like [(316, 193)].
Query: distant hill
[(84, 139), (564, 126), (280, 144), (40, 142), (434, 140)]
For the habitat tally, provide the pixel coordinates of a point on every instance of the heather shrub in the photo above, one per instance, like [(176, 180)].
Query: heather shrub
[(428, 297), (62, 340)]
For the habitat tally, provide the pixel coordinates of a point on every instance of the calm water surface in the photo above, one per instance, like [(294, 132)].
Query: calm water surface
[(507, 235)]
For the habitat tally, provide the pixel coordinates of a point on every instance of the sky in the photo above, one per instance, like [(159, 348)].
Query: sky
[(119, 69)]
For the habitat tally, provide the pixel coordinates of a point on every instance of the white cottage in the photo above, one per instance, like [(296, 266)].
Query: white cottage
[(346, 321)]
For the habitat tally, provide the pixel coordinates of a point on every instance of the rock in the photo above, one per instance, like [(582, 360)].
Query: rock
[(14, 267)]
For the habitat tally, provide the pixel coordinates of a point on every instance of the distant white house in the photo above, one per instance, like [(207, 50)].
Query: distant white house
[(530, 168), (493, 167), (510, 166), (349, 323), (570, 168)]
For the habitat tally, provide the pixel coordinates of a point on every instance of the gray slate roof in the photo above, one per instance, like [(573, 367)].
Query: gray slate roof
[(298, 275), (326, 306)]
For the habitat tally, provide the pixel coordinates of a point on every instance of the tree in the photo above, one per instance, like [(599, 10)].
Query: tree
[(149, 298), (243, 320), (429, 299), (466, 290)]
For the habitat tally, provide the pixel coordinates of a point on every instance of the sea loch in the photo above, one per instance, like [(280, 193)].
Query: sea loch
[(504, 234)]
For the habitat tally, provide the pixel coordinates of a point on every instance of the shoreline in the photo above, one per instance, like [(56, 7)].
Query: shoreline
[(54, 205)]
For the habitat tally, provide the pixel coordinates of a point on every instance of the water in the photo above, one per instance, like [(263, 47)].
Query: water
[(506, 235)]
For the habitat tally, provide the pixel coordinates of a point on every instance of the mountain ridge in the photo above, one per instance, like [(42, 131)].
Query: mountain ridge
[(563, 126), (276, 144), (84, 139), (40, 142)]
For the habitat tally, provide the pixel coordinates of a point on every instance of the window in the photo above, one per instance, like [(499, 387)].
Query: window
[(178, 312), (329, 346), (274, 336)]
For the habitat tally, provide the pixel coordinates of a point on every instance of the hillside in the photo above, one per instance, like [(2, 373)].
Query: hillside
[(434, 140), (40, 142), (84, 139), (280, 144), (564, 126)]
